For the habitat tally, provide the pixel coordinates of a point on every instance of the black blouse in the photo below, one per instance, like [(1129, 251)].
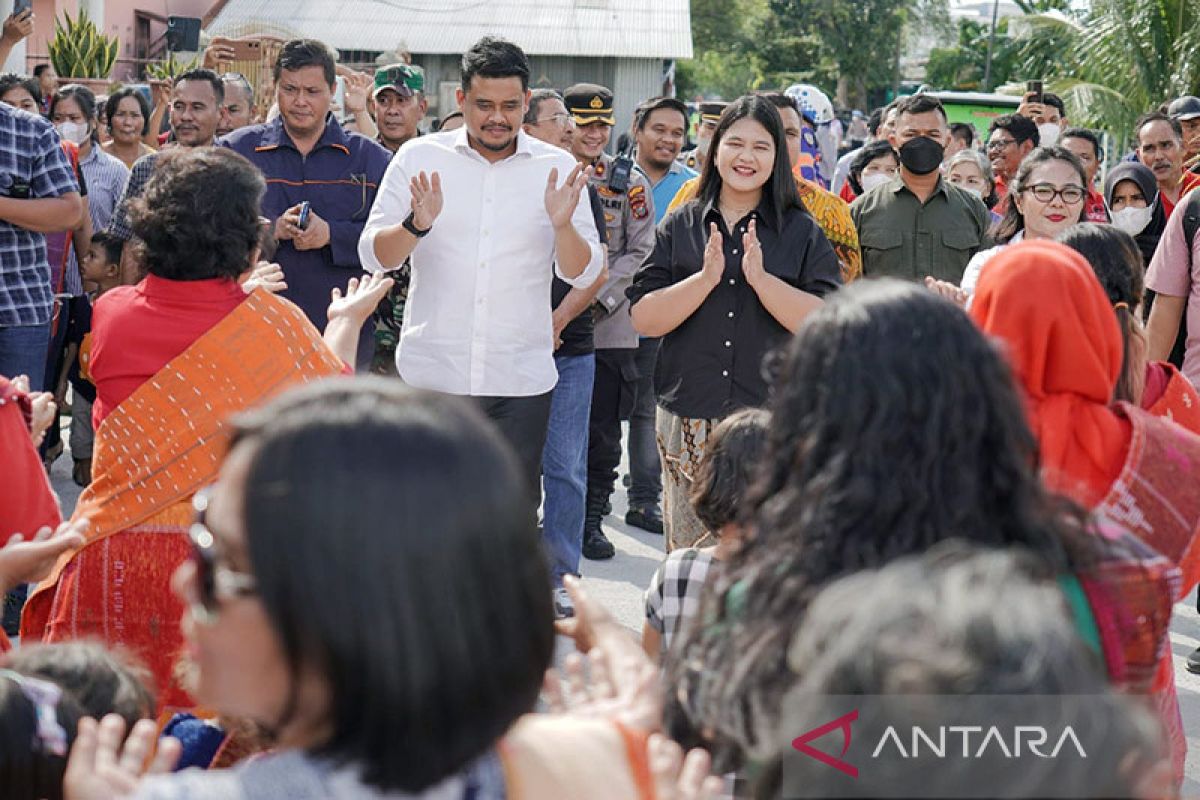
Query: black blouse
[(712, 364)]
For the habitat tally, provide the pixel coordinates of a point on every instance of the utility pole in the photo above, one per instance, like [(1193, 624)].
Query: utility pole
[(987, 69)]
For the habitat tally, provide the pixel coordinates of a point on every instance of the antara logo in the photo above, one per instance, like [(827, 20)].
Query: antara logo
[(1033, 737), (946, 741), (842, 723)]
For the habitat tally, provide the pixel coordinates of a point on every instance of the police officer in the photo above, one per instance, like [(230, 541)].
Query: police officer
[(629, 220), (710, 115)]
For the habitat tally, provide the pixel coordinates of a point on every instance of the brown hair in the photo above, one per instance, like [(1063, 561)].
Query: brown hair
[(731, 459)]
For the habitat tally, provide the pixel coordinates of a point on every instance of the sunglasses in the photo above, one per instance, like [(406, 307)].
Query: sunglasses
[(216, 582)]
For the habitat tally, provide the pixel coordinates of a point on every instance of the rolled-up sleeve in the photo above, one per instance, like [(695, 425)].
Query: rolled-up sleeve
[(655, 272), (392, 204)]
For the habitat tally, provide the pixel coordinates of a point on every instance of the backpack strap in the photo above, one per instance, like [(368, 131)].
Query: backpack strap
[(1191, 220)]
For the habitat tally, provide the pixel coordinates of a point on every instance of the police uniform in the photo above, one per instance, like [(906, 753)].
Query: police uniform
[(625, 195), (709, 112)]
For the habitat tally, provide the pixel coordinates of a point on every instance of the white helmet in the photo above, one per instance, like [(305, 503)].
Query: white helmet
[(812, 102)]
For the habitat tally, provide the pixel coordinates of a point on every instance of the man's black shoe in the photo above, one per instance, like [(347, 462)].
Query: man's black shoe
[(1193, 662), (648, 519), (596, 545)]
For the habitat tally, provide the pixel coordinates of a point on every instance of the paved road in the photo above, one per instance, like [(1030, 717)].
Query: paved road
[(619, 582)]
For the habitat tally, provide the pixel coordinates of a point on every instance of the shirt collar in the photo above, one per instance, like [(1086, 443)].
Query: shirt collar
[(209, 289), (761, 213), (276, 135), (898, 184)]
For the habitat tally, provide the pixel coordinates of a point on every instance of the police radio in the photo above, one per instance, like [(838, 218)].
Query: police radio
[(622, 166)]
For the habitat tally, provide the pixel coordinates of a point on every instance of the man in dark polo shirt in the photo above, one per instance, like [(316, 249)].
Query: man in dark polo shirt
[(306, 156), (919, 224)]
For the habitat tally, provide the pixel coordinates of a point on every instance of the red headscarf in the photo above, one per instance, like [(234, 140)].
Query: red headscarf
[(1065, 347)]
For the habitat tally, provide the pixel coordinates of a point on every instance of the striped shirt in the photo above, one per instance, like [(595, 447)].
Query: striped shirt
[(30, 153), (139, 176), (106, 177)]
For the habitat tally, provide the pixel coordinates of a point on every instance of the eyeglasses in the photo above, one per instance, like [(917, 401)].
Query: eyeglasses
[(1000, 144), (216, 582), (1045, 193), (561, 118)]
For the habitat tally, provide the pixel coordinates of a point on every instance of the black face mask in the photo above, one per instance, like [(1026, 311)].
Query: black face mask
[(921, 155)]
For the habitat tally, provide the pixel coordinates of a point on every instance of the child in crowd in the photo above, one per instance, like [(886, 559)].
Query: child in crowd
[(101, 680), (37, 727), (725, 472), (100, 268)]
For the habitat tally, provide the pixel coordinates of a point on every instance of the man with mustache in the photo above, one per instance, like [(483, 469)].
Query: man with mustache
[(308, 158), (196, 101), (488, 215), (1160, 147)]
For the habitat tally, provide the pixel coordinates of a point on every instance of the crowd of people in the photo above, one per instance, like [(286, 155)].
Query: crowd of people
[(922, 420)]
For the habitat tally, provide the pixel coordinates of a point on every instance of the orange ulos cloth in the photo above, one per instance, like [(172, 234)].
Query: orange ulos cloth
[(1062, 339), (160, 445)]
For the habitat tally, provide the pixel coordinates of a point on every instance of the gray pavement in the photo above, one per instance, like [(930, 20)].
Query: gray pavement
[(619, 582)]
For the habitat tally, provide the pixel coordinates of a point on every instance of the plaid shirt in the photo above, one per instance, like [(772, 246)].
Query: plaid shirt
[(139, 176), (673, 596), (29, 152)]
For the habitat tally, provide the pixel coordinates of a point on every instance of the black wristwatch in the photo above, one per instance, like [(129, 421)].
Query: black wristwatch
[(412, 228)]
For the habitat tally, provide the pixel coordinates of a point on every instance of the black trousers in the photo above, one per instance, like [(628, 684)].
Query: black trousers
[(522, 421), (613, 395)]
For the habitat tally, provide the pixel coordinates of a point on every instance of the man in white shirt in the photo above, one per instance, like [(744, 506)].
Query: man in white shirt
[(477, 321)]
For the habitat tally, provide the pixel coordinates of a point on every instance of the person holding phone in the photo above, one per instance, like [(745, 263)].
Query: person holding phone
[(17, 26), (309, 158)]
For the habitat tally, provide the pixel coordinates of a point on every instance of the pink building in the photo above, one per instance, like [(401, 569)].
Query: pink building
[(138, 25)]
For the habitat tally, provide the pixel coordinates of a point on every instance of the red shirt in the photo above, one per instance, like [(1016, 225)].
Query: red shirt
[(1190, 181), (137, 330), (847, 193), (1094, 209)]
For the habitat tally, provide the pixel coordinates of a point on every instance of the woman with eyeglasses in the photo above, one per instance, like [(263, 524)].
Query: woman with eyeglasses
[(171, 359), (1046, 197), (390, 634)]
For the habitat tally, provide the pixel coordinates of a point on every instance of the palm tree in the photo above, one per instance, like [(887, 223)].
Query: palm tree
[(1123, 58)]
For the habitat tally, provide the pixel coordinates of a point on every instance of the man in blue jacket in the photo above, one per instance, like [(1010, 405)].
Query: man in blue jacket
[(305, 155)]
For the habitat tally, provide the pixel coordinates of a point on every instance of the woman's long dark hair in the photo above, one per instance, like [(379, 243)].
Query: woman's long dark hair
[(1013, 222), (428, 612), (896, 425), (1113, 255), (779, 192)]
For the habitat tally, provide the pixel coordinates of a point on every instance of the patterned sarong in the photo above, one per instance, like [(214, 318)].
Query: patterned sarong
[(153, 452)]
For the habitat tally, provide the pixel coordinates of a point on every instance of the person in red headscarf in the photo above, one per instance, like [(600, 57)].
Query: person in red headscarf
[(1131, 468)]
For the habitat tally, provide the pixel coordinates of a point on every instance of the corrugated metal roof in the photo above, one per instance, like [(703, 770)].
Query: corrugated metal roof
[(614, 28)]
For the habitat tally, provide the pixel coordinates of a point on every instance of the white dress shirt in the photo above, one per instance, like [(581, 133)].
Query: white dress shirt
[(477, 319)]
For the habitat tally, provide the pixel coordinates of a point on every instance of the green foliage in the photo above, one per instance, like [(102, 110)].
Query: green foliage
[(743, 45), (170, 67), (80, 50)]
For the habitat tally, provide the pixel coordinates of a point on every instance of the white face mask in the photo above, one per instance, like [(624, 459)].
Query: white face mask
[(1132, 220), (76, 132), (869, 182), (971, 189), (1048, 133)]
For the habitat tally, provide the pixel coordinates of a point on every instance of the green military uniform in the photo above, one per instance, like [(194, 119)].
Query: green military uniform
[(901, 237)]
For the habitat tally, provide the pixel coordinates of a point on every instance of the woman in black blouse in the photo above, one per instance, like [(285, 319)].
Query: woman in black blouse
[(733, 273)]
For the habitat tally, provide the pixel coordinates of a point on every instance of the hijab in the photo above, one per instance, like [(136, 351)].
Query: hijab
[(1147, 240), (1044, 303)]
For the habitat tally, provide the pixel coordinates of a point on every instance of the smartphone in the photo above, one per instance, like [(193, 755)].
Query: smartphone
[(305, 210), (1037, 88), (183, 34), (20, 6), (247, 50)]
